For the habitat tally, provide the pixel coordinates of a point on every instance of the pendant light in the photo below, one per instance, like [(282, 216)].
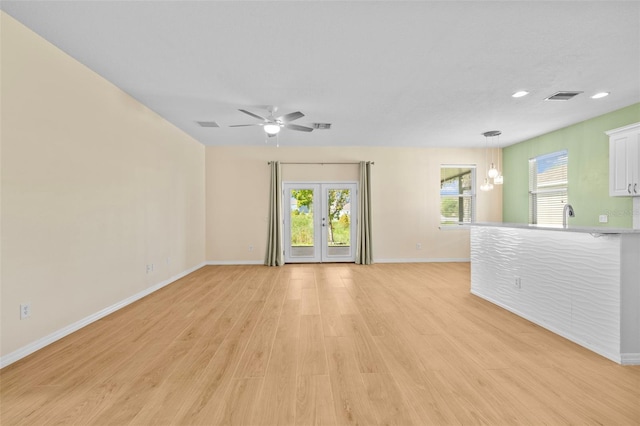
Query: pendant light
[(492, 171), (498, 180), (486, 185)]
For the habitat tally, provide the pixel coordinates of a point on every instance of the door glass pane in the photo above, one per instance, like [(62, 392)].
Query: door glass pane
[(302, 239), (338, 222)]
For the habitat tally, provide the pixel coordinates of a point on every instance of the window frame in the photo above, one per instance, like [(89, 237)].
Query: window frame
[(559, 187), (471, 196)]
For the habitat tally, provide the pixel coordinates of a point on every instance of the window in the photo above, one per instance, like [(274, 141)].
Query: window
[(457, 194), (547, 188)]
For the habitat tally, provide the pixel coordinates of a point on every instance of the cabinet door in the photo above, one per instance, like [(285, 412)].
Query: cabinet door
[(634, 162), (619, 165), (624, 161)]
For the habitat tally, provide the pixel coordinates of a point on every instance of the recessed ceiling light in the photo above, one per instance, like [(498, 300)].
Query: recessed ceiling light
[(600, 95), (520, 94)]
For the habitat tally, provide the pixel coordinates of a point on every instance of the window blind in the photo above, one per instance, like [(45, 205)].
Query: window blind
[(548, 181)]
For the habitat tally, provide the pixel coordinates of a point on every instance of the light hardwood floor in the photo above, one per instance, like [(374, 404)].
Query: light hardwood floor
[(402, 344)]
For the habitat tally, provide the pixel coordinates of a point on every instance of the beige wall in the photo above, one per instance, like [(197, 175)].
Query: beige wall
[(94, 187), (405, 186)]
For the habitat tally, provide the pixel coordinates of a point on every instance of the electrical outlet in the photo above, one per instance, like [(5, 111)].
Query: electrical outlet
[(518, 282), (25, 310), (149, 268), (603, 218), (418, 246), (250, 248)]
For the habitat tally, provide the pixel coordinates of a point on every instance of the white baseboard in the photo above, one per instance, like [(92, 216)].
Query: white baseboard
[(416, 260), (18, 354), (234, 262), (630, 358), (423, 260)]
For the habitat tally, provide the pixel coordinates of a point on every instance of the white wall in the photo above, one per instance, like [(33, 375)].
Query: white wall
[(94, 187), (405, 186)]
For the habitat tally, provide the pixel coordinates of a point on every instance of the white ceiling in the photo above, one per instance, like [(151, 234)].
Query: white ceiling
[(385, 73)]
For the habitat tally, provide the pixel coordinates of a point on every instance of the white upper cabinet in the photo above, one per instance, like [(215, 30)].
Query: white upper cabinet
[(624, 161)]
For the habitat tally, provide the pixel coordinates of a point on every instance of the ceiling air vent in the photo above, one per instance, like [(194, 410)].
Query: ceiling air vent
[(562, 96), (207, 123), (321, 126)]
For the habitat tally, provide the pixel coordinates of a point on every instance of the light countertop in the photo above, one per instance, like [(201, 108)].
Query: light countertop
[(570, 228)]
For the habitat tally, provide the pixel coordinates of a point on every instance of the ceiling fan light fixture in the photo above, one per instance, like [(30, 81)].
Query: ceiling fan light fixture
[(272, 129)]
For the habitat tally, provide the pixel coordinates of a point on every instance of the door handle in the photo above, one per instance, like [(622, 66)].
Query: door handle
[(635, 188), (629, 189)]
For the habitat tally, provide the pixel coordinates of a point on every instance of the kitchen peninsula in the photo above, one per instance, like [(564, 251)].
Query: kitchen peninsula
[(581, 283)]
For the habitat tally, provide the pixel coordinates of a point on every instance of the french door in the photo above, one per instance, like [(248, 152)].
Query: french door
[(319, 222)]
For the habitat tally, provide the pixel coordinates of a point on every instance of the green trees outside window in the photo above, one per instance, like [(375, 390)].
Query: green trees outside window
[(338, 217)]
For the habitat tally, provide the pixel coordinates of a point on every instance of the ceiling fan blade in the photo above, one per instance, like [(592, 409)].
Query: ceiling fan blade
[(245, 125), (290, 117), (299, 128), (252, 114)]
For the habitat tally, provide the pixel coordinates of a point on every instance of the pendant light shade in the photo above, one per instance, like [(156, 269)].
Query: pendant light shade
[(493, 172), (486, 186)]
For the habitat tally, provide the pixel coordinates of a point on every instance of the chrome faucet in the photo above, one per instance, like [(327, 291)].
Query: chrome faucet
[(567, 212)]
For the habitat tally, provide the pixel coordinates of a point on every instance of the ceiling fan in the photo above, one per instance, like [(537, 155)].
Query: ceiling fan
[(272, 125)]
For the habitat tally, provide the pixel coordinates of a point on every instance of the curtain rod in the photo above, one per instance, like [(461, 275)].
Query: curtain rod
[(322, 164)]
